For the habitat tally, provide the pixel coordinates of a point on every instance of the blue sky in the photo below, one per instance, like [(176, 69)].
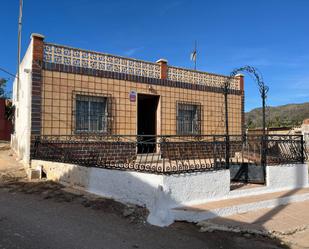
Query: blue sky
[(272, 35)]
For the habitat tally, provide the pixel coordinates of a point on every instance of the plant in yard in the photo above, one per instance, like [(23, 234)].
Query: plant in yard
[(9, 107)]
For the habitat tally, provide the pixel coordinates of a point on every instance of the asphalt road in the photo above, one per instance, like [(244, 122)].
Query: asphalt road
[(30, 221)]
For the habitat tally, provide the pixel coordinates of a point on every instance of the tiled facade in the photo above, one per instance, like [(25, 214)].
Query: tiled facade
[(60, 79), (58, 91)]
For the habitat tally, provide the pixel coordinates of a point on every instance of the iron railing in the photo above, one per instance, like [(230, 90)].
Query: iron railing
[(168, 154)]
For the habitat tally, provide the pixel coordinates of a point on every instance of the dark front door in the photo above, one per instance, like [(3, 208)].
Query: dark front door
[(147, 122)]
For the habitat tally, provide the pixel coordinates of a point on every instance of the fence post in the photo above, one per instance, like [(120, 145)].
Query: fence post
[(214, 151), (227, 138), (264, 154), (302, 149), (162, 141), (35, 147), (227, 152)]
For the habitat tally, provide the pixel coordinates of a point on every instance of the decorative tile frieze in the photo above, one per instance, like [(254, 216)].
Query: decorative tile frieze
[(86, 59), (200, 78)]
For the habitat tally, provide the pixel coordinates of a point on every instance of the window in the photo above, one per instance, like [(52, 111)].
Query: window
[(91, 114), (188, 119)]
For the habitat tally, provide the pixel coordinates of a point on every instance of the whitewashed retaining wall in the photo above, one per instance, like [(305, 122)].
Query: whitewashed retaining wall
[(288, 176), (161, 193), (195, 188)]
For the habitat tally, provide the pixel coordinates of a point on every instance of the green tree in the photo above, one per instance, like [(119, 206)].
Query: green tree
[(2, 87), (9, 111), (250, 123), (9, 108)]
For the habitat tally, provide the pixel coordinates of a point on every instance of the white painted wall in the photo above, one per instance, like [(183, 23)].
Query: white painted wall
[(288, 176), (161, 193), (184, 190), (125, 186), (192, 188), (20, 140)]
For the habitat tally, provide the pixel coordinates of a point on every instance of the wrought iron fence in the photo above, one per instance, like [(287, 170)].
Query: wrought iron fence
[(285, 148), (167, 154)]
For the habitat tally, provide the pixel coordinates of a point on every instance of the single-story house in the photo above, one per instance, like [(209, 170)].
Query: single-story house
[(145, 132)]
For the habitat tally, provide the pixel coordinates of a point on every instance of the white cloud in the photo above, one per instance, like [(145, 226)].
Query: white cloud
[(132, 51)]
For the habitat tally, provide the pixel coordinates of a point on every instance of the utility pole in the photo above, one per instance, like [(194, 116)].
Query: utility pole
[(19, 45)]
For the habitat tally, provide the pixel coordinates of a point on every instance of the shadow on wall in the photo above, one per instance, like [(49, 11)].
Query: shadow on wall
[(158, 193), (298, 182), (287, 176), (19, 149)]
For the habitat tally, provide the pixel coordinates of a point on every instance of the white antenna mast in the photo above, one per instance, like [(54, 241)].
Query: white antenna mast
[(194, 55)]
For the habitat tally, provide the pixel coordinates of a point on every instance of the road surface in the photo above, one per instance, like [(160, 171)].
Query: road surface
[(30, 221)]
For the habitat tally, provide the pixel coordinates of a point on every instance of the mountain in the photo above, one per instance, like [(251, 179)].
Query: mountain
[(279, 116)]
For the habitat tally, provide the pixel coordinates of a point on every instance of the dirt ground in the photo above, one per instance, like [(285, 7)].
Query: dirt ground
[(44, 214)]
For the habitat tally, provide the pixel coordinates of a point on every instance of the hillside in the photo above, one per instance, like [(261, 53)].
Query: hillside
[(279, 116)]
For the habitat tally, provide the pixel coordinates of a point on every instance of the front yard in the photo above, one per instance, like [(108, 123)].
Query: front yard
[(49, 215)]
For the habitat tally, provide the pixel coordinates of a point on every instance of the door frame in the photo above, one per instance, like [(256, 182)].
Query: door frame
[(158, 120)]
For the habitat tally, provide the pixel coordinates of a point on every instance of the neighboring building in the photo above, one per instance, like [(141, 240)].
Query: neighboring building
[(305, 126), (6, 127), (66, 91), (269, 131), (300, 130)]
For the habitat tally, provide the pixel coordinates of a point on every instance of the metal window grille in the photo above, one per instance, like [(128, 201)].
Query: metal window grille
[(188, 119), (91, 114)]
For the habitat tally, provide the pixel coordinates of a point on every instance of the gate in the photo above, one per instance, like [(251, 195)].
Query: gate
[(247, 164)]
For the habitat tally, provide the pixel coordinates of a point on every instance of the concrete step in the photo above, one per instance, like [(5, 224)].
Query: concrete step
[(231, 206)]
